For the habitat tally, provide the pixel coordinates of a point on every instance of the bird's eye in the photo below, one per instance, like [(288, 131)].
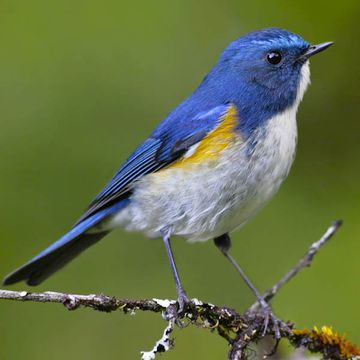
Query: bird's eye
[(273, 57)]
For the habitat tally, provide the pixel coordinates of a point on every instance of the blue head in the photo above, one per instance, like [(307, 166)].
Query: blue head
[(268, 59), (263, 73)]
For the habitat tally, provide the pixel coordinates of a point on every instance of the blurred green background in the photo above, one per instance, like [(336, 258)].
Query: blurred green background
[(81, 84)]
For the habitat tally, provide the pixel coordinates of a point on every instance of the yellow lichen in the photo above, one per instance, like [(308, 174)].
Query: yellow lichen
[(327, 336)]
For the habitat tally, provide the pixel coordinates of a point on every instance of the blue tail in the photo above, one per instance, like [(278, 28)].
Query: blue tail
[(64, 250)]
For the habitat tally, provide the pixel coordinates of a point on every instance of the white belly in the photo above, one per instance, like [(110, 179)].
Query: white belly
[(211, 200)]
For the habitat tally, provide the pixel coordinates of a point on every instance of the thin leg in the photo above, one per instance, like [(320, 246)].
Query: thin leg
[(183, 300), (223, 243)]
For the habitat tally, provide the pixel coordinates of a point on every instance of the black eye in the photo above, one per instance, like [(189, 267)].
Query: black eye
[(273, 57)]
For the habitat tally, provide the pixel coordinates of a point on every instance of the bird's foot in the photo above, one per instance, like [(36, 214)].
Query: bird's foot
[(184, 302), (277, 325), (185, 307)]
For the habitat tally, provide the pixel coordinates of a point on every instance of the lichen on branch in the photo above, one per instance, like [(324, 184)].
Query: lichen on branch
[(241, 331)]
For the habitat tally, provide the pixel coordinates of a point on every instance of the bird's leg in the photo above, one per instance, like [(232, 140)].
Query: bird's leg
[(183, 300), (223, 243)]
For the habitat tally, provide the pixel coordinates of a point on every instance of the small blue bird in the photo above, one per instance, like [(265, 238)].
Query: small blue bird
[(210, 165)]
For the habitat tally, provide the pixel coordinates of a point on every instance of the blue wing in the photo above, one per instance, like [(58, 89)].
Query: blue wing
[(167, 143), (170, 140)]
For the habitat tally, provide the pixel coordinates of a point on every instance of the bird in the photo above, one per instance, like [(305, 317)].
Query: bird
[(209, 166)]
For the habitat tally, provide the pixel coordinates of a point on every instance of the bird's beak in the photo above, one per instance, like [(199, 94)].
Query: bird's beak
[(314, 49)]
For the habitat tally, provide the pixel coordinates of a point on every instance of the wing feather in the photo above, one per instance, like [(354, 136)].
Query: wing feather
[(154, 154)]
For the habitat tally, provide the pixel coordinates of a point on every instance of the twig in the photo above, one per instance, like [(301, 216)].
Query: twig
[(162, 345), (305, 261), (239, 330), (72, 301)]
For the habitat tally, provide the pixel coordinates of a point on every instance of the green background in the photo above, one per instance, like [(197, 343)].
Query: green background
[(84, 82)]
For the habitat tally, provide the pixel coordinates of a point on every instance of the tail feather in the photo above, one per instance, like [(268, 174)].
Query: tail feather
[(62, 251), (36, 271)]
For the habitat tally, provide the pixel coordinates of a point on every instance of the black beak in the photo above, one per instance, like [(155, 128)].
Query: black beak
[(314, 49)]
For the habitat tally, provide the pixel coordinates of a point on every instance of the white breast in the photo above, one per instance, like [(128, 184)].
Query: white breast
[(271, 160), (207, 201), (215, 199), (269, 164)]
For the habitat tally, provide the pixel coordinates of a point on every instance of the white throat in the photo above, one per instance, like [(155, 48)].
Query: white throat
[(304, 82), (279, 143)]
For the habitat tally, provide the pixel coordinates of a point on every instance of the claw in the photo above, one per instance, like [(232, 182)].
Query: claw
[(185, 306), (183, 301), (276, 324)]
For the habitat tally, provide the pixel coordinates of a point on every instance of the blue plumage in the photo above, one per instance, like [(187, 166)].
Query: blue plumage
[(166, 144), (153, 154), (65, 249), (258, 89)]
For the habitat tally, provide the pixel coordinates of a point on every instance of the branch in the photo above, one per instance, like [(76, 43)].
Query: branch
[(239, 330), (304, 262), (72, 301)]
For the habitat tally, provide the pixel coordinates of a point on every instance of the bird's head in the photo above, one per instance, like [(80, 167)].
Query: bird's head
[(270, 65)]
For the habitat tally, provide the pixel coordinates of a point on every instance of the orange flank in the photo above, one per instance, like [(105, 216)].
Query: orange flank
[(211, 146)]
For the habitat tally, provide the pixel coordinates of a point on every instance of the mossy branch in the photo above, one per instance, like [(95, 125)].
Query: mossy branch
[(239, 330)]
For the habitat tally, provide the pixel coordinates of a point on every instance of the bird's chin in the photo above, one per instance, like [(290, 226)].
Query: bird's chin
[(304, 81)]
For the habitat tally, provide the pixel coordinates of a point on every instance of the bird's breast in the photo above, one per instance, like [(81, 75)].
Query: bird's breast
[(209, 193)]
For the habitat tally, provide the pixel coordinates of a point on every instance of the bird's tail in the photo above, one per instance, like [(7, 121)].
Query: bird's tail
[(62, 251)]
